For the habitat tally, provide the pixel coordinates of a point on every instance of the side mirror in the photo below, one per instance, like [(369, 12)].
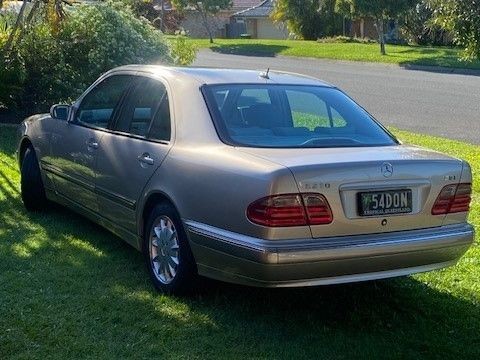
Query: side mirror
[(59, 111)]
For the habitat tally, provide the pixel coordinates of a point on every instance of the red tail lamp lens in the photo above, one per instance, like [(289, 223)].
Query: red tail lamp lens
[(279, 210), (290, 210), (318, 209), (453, 199)]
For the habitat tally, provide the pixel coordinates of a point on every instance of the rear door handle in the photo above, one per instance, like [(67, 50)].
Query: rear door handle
[(92, 144), (146, 159)]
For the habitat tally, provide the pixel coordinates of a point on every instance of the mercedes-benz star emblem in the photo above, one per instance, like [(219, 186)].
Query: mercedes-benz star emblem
[(387, 169)]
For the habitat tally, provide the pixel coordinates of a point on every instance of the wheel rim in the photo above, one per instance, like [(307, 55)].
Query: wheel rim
[(164, 250)]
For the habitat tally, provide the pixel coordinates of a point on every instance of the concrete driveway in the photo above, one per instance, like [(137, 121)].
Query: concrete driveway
[(443, 104)]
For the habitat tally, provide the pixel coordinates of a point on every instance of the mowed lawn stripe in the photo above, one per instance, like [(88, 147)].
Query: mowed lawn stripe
[(403, 55)]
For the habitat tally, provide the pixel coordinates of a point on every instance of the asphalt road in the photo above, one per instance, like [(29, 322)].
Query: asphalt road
[(443, 104)]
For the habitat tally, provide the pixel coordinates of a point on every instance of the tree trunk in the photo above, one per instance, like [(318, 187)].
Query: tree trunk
[(9, 44), (381, 35), (204, 15), (207, 26), (28, 20), (162, 17)]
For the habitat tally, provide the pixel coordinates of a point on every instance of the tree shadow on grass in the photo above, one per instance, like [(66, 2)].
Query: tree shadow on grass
[(440, 66), (445, 51), (70, 287), (445, 61), (249, 49)]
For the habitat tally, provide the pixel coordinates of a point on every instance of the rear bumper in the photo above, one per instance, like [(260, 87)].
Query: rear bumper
[(237, 258)]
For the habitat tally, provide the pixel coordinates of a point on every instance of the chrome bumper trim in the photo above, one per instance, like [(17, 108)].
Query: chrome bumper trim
[(330, 280), (331, 248)]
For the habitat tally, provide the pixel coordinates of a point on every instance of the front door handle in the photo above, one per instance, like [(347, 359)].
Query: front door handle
[(92, 144), (146, 159)]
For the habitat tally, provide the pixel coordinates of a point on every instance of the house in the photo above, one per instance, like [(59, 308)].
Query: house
[(192, 22), (243, 17), (258, 23), (365, 28)]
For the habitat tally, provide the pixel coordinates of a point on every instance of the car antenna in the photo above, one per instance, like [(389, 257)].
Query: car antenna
[(264, 74)]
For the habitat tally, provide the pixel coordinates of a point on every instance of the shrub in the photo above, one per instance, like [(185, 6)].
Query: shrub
[(309, 19), (346, 39), (60, 61), (12, 79), (97, 38), (183, 53), (417, 26), (49, 78), (12, 69), (462, 18)]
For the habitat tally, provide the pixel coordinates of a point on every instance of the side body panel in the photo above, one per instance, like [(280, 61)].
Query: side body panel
[(72, 162), (121, 175), (126, 163)]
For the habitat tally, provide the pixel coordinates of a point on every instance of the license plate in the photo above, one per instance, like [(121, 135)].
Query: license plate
[(375, 203)]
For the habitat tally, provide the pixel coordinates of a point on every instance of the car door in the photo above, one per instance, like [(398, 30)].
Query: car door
[(130, 154), (75, 143)]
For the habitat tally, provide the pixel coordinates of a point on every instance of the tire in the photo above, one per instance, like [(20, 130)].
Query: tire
[(167, 253), (33, 191)]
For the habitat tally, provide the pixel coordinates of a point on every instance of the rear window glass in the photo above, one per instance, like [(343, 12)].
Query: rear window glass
[(291, 116)]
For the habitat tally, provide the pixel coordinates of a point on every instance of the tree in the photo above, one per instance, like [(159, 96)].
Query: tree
[(205, 8), (379, 10), (418, 26), (309, 19), (53, 14), (462, 18), (18, 23)]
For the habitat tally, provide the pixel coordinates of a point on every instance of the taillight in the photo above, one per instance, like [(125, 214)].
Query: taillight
[(318, 210), (452, 199), (290, 210), (462, 199)]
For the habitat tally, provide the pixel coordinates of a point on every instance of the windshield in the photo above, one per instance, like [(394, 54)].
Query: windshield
[(287, 116)]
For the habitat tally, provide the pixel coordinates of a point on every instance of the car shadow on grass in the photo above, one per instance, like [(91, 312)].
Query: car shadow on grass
[(70, 287), (249, 49)]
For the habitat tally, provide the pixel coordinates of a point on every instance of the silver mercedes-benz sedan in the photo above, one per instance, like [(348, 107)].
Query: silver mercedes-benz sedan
[(258, 178)]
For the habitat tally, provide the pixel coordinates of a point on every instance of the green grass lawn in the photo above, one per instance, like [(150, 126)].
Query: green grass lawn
[(70, 290), (396, 54)]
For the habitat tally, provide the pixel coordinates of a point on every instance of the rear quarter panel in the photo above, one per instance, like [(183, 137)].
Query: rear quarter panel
[(215, 184)]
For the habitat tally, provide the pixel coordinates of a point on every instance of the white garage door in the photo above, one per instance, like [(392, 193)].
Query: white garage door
[(267, 30)]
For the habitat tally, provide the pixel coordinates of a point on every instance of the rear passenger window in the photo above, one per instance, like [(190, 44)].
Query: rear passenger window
[(146, 112)]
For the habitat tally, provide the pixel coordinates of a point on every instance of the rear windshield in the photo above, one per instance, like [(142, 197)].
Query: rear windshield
[(291, 116)]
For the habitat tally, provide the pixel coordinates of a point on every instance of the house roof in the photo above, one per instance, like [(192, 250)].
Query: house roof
[(237, 5), (264, 9)]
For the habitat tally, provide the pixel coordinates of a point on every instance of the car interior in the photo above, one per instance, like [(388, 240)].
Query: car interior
[(288, 117)]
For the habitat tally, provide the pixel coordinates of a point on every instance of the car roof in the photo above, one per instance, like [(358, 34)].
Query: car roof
[(208, 76)]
